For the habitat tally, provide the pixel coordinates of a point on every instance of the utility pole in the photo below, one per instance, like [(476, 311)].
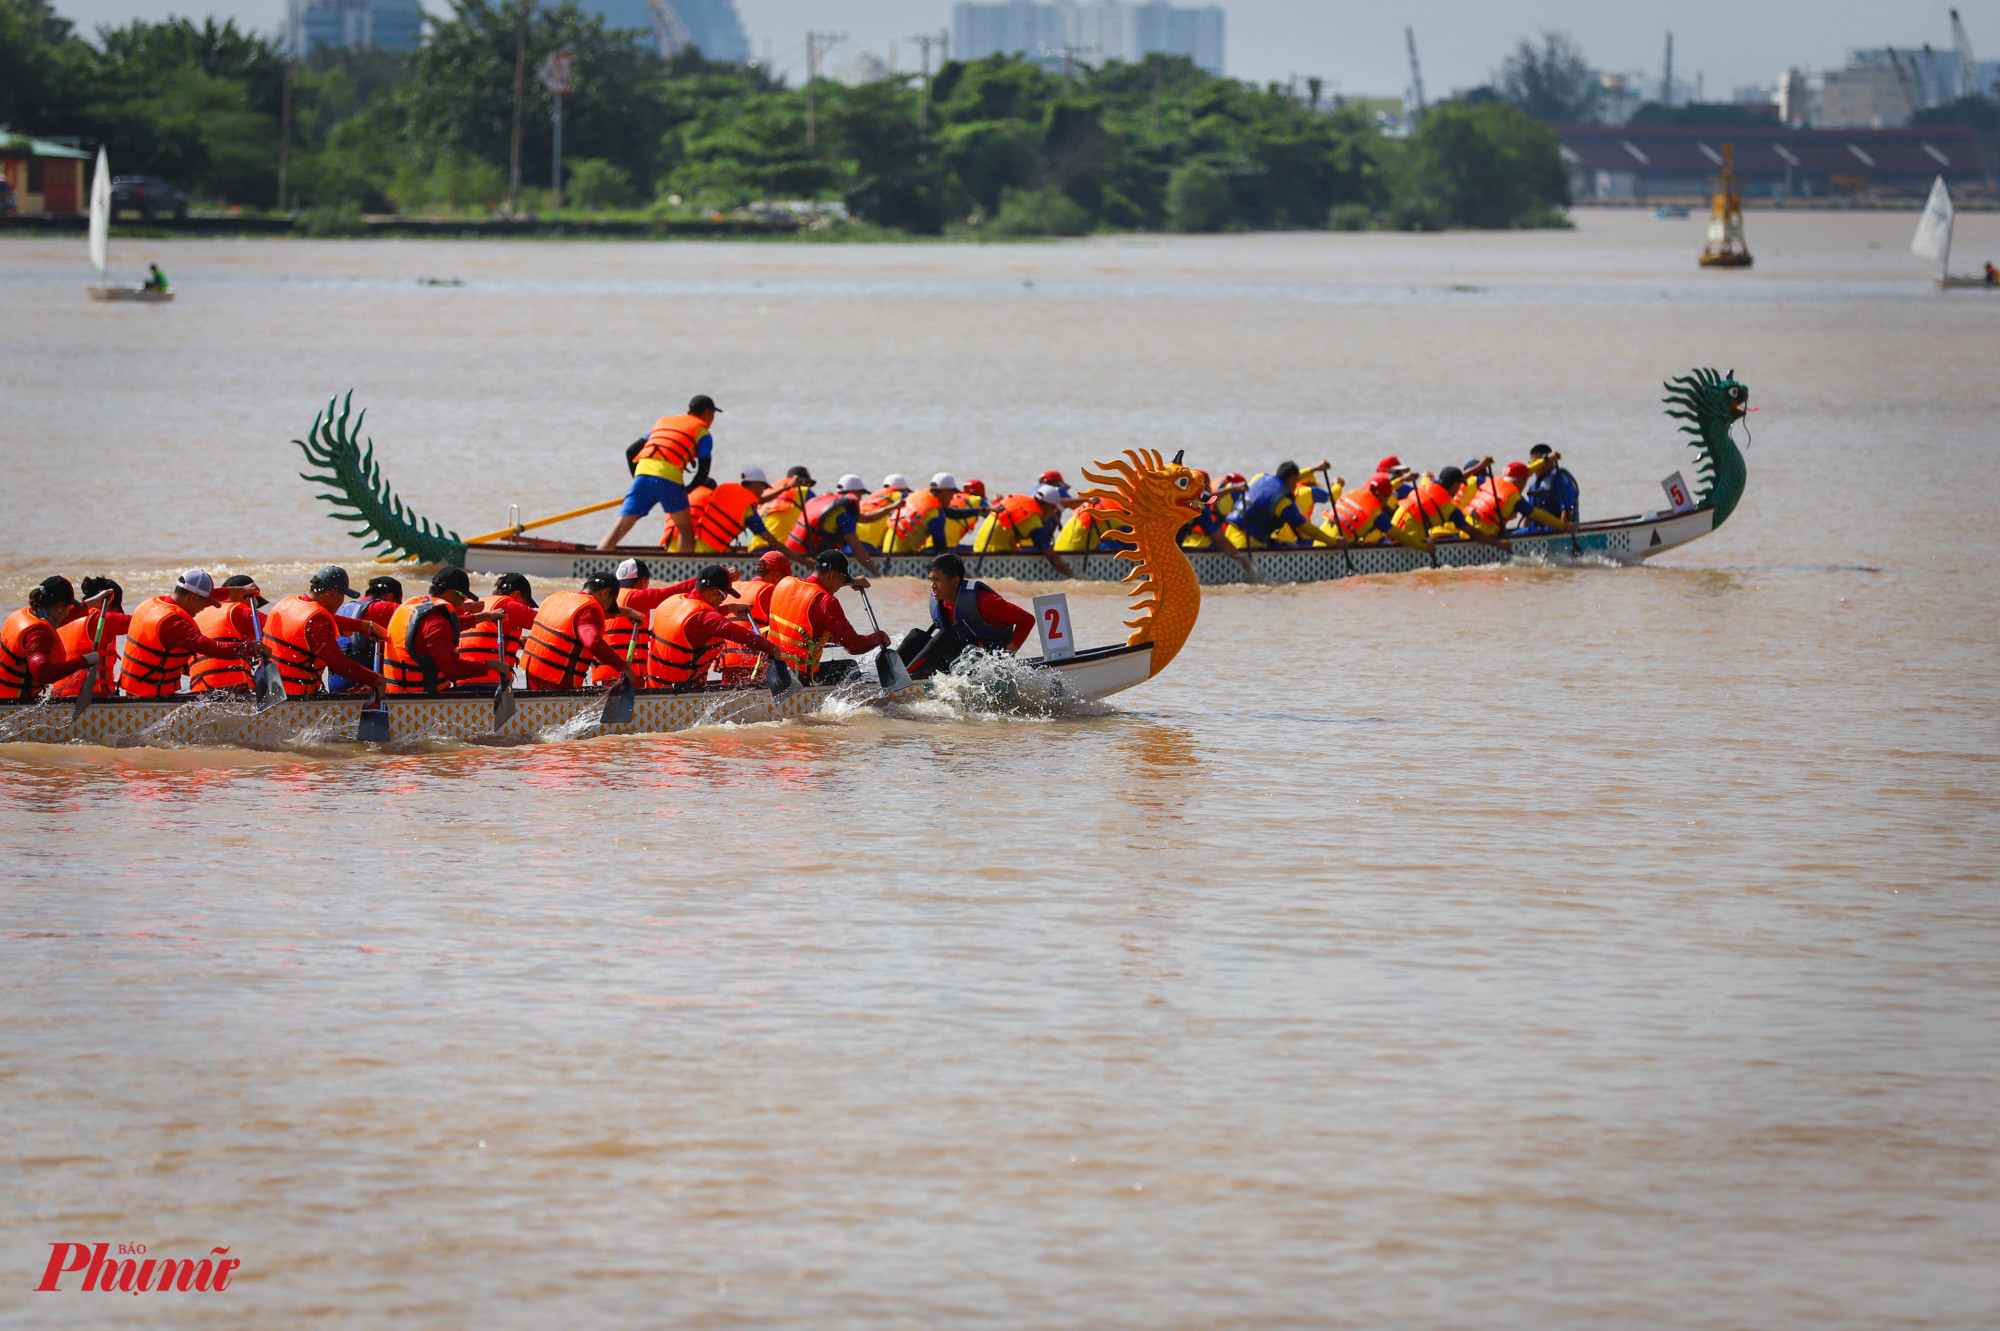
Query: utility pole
[(925, 41), (814, 52), (285, 136), (1068, 54), (1313, 85), (520, 95), (1667, 75)]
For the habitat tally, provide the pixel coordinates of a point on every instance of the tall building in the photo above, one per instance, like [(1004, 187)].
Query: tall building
[(711, 26), (1867, 97), (1095, 31), (385, 25)]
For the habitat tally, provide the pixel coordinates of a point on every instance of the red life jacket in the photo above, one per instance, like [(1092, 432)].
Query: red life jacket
[(15, 681), (481, 642), (226, 621), (285, 626), (1019, 514), (554, 656), (150, 670), (720, 518), (78, 636), (818, 530), (1429, 503), (406, 666), (738, 663), (791, 625), (1355, 513), (673, 440), (1493, 505), (672, 658), (912, 525)]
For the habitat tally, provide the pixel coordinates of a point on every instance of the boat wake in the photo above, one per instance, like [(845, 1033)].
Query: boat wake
[(993, 686)]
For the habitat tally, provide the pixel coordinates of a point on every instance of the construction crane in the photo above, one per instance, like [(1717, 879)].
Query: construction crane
[(1968, 68), (1416, 78), (668, 29)]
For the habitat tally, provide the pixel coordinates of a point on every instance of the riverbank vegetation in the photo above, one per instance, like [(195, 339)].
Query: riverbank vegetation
[(996, 146)]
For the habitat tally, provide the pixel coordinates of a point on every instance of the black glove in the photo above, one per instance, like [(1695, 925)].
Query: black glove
[(701, 476), (632, 456)]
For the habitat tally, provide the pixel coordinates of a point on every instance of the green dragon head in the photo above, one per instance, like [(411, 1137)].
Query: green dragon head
[(1711, 403), (363, 496)]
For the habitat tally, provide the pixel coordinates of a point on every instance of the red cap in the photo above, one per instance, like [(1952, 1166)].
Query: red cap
[(975, 486), (774, 560), (1051, 477), (1379, 487), (1234, 478), (1390, 463), (1517, 472)]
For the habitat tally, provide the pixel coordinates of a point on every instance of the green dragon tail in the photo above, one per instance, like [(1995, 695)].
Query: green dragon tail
[(361, 495), (1711, 403)]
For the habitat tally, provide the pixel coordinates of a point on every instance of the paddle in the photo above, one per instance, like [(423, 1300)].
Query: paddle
[(267, 685), (84, 696), (1424, 514), (889, 536), (1333, 511), (374, 727), (618, 706), (504, 705), (887, 664), (779, 678)]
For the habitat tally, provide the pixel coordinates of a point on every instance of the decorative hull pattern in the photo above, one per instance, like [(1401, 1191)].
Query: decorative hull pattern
[(218, 719), (1621, 540)]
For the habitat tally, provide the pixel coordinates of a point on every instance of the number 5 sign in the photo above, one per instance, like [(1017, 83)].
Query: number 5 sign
[(1677, 493), (1052, 622)]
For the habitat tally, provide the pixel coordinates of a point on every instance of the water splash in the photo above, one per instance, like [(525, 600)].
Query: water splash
[(993, 686)]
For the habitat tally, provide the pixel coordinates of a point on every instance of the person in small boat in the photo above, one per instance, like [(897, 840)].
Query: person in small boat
[(1992, 274), (1552, 490), (1028, 521), (228, 620), (568, 635), (514, 597), (31, 652), (806, 616), (830, 522), (304, 636), (376, 606), (1268, 504), (155, 279), (421, 652), (933, 519), (102, 597), (687, 633), (163, 639), (965, 615), (660, 473)]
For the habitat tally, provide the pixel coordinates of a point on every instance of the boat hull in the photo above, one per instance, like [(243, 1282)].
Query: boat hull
[(228, 719), (1624, 541), (1966, 283), (140, 294)]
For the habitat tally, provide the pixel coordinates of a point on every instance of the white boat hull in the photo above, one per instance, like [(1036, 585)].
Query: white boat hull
[(1622, 540)]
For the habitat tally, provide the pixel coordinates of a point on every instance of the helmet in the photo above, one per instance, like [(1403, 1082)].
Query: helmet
[(975, 486)]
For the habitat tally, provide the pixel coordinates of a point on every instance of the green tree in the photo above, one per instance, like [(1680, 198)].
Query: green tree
[(1485, 165), (1198, 199), (1552, 82)]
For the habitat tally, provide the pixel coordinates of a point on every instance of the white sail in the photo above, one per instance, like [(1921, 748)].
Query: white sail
[(100, 214), (1933, 238)]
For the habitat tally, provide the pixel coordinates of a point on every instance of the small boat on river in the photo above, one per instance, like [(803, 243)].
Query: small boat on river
[(100, 245), (1709, 403), (1933, 241)]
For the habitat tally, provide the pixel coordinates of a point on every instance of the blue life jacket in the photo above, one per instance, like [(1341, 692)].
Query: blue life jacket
[(1263, 507), (1553, 492), (356, 646), (966, 617)]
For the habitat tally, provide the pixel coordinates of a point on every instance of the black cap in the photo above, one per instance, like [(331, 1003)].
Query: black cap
[(835, 560), (600, 582), (1540, 451), (949, 565), (800, 474), (1451, 478), (385, 588), (713, 578), (332, 578), (448, 580), (515, 584), (245, 580), (702, 402)]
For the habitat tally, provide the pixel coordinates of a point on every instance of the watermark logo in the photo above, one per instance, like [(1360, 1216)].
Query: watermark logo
[(130, 1269)]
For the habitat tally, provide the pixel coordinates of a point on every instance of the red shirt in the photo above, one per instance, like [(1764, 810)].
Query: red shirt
[(706, 625), (44, 653), (1000, 612), (826, 619), (323, 641), (179, 633), (440, 643)]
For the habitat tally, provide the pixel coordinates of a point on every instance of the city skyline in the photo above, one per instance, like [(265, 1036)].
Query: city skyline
[(1357, 49)]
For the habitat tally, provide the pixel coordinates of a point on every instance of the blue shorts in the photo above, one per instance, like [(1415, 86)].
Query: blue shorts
[(647, 491)]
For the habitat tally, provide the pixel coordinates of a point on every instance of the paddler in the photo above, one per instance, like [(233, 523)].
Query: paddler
[(1208, 530), (1055, 478), (1553, 491), (568, 634), (1270, 503), (31, 652), (228, 620), (376, 607), (724, 512), (880, 508), (1023, 521), (830, 523), (781, 508), (102, 598), (514, 597), (932, 520), (806, 615), (1362, 516), (687, 633), (1089, 527), (660, 473), (421, 654), (773, 567), (163, 638), (964, 615), (1430, 510), (304, 637), (1496, 498), (625, 623)]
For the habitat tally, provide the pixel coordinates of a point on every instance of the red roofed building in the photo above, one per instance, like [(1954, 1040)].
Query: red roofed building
[(1625, 163)]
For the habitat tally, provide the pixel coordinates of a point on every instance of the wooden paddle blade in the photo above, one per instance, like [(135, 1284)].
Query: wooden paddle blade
[(617, 707), (374, 728), (504, 705)]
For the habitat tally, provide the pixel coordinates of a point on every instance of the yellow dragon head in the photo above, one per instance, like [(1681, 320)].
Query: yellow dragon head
[(1153, 499)]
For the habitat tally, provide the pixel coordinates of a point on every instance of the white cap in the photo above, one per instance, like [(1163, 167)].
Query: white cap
[(628, 571), (1048, 494), (196, 580), (944, 480), (895, 480), (755, 474), (852, 484)]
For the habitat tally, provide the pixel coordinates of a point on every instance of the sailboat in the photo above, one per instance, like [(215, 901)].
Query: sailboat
[(1933, 239), (100, 243)]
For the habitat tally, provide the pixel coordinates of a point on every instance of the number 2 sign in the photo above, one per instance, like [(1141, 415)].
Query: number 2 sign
[(1052, 622)]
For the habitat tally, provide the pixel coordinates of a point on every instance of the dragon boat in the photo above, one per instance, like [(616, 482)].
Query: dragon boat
[(1710, 403), (1152, 500)]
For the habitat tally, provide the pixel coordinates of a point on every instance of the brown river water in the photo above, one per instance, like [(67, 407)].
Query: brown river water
[(1515, 947)]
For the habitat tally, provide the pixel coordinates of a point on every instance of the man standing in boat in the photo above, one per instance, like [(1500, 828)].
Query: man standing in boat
[(1553, 491), (660, 473)]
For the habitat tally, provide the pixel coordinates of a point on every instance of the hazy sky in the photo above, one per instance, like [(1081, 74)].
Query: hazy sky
[(1358, 48)]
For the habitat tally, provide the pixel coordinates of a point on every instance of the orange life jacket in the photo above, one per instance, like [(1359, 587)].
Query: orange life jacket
[(406, 666), (1425, 507), (624, 637), (225, 621), (1355, 513), (791, 606), (780, 509), (150, 670), (285, 627), (1494, 505), (554, 656), (817, 530), (670, 658), (720, 518), (912, 525), (740, 662), (1020, 514), (77, 636), (481, 642), (673, 440), (15, 681)]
